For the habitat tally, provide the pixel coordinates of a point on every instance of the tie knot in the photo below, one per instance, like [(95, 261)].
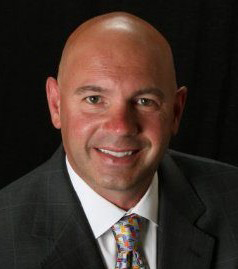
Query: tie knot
[(126, 232)]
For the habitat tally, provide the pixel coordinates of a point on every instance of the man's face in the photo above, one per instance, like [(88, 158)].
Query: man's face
[(116, 114)]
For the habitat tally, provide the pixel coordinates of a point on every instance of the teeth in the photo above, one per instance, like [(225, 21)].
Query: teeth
[(116, 154)]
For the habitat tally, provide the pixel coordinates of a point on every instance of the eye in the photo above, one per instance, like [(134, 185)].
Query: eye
[(148, 104), (145, 102), (94, 99)]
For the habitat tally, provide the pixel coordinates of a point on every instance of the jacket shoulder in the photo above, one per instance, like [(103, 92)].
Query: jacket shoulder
[(195, 166), (214, 182), (33, 212), (33, 184)]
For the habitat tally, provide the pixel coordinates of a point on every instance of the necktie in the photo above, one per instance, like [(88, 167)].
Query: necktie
[(126, 232)]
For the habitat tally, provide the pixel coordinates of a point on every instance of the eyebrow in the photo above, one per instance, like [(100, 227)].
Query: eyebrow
[(152, 90), (91, 88)]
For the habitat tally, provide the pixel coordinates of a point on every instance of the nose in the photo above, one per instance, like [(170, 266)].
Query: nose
[(122, 121)]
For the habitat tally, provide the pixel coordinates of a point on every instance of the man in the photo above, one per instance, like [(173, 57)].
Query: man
[(117, 104)]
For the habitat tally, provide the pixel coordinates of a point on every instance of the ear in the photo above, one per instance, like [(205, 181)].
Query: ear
[(179, 104), (53, 97)]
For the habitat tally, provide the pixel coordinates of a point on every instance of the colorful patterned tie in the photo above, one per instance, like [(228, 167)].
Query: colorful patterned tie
[(126, 232)]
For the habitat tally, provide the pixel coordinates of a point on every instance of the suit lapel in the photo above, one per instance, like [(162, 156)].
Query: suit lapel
[(61, 222), (75, 247), (180, 243)]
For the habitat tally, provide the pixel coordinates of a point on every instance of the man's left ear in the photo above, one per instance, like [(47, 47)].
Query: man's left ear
[(180, 99)]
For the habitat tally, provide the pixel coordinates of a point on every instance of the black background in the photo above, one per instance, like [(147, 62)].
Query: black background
[(204, 38)]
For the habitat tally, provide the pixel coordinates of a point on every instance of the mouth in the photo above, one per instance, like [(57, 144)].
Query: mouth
[(117, 153)]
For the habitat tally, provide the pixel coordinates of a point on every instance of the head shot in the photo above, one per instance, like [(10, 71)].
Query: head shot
[(117, 103)]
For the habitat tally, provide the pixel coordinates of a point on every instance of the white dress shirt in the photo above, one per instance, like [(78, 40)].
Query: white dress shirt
[(102, 215)]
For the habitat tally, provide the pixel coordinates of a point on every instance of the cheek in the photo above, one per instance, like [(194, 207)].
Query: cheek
[(78, 126), (157, 128)]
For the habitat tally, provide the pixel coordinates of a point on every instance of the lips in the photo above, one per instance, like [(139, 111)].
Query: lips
[(117, 154)]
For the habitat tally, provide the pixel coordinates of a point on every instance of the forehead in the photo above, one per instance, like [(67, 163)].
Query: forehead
[(108, 72), (116, 56), (117, 61)]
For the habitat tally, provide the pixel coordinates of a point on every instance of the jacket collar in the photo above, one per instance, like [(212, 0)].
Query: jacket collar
[(75, 246), (62, 222), (180, 243)]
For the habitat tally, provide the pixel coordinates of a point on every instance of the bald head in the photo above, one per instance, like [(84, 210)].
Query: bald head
[(116, 104), (120, 34)]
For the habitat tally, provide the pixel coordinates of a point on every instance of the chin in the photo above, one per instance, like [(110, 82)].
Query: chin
[(119, 183)]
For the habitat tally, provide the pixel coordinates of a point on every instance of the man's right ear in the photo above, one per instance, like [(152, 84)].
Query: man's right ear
[(53, 97)]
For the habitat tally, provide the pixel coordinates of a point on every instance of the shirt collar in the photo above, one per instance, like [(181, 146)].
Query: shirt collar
[(102, 214)]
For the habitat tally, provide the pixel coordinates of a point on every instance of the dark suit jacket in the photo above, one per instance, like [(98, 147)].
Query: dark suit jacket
[(42, 224)]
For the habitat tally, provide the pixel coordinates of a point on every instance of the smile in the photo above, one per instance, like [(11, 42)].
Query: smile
[(116, 153)]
